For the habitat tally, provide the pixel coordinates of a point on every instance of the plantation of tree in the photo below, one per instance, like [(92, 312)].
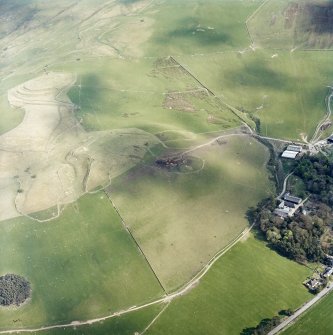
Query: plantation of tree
[(14, 290), (317, 174)]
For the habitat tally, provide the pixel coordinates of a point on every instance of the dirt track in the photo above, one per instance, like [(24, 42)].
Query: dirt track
[(50, 150), (164, 300)]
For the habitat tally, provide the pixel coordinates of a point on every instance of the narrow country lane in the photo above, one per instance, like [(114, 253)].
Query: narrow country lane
[(300, 311)]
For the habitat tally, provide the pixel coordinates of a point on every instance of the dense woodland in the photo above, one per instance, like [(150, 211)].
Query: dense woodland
[(14, 290), (302, 237), (317, 175)]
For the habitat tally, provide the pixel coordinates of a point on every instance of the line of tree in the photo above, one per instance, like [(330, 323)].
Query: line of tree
[(264, 327)]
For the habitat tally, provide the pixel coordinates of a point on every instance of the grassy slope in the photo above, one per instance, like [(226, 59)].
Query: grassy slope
[(10, 117), (80, 266), (188, 27), (290, 87), (318, 320), (181, 220), (268, 26), (280, 25), (122, 94), (249, 283)]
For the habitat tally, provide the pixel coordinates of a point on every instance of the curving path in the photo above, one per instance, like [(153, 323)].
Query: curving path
[(165, 299)]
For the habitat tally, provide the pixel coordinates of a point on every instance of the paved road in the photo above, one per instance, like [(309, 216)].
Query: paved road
[(300, 311)]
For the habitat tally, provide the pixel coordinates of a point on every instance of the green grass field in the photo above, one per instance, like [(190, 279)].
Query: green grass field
[(318, 320), (129, 324), (182, 219), (123, 94), (82, 265), (286, 92), (249, 283), (261, 282), (189, 27)]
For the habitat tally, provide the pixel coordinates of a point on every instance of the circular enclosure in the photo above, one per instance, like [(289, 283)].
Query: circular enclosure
[(14, 290)]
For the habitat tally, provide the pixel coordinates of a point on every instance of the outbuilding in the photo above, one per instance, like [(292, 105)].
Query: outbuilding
[(283, 213), (289, 154), (296, 148), (328, 272), (291, 198)]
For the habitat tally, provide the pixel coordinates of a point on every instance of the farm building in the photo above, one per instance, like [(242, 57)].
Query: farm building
[(328, 272), (289, 204), (289, 198), (312, 284), (283, 213), (289, 154), (296, 148)]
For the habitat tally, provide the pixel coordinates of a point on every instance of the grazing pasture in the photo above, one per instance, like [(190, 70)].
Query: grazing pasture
[(129, 324), (182, 219), (154, 98), (285, 24), (161, 96), (190, 27), (317, 320), (249, 283), (82, 265), (285, 91)]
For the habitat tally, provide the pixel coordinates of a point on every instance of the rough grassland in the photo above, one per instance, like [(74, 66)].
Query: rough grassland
[(80, 266), (249, 283), (9, 118), (182, 219), (287, 92), (269, 27), (286, 24), (318, 320), (189, 27), (122, 94)]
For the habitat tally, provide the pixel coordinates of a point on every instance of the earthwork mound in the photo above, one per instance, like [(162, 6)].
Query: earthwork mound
[(14, 290)]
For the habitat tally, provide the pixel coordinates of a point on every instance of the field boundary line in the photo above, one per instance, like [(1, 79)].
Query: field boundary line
[(251, 16), (135, 241), (209, 91), (165, 299)]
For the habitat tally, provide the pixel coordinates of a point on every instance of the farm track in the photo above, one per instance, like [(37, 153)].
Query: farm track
[(168, 298), (163, 300), (327, 117)]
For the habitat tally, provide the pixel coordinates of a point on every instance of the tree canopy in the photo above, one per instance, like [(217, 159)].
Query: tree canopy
[(14, 290)]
